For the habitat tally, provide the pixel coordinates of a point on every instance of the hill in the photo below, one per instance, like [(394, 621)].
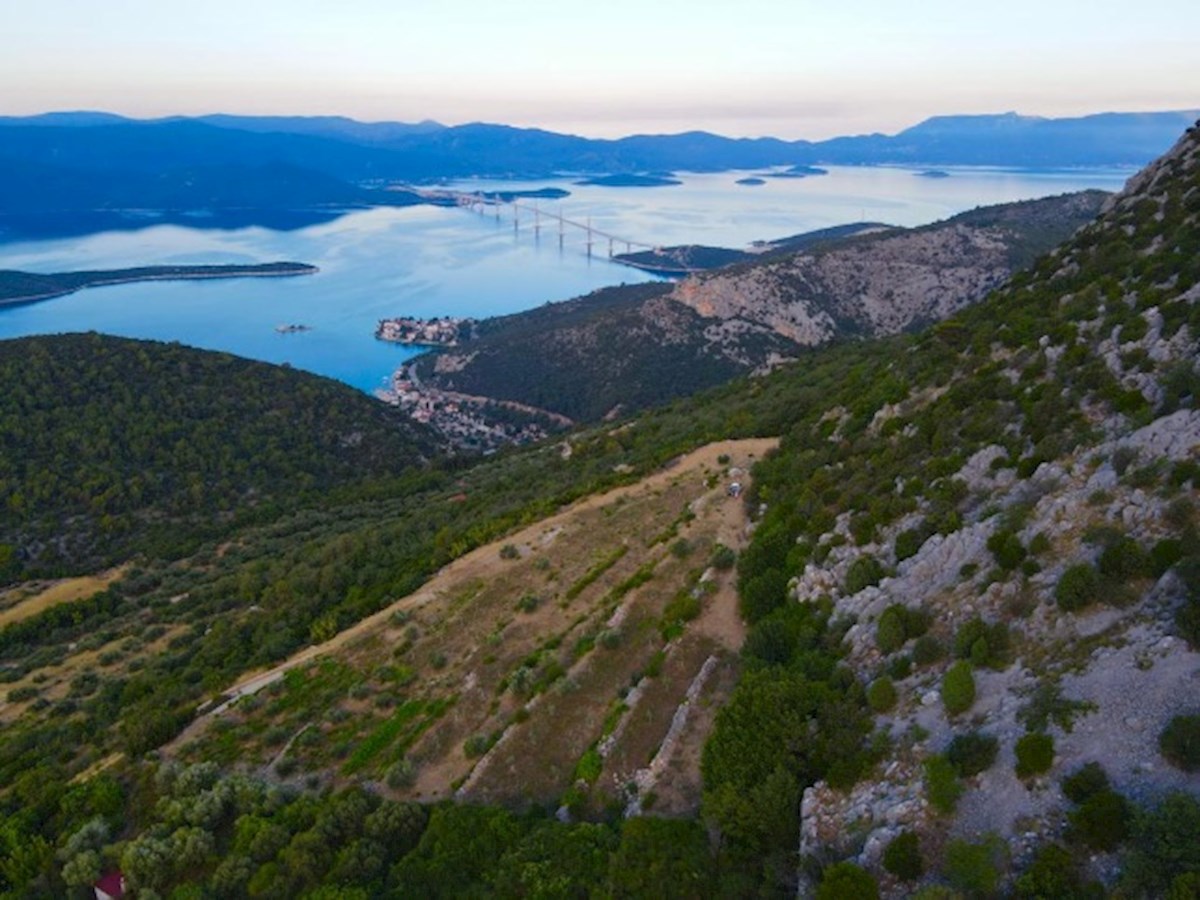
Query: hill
[(623, 349), (971, 573), (114, 446)]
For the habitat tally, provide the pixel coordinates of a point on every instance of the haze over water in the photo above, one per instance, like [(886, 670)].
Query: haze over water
[(430, 261)]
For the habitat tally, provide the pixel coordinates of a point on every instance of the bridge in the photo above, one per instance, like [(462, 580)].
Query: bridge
[(493, 204)]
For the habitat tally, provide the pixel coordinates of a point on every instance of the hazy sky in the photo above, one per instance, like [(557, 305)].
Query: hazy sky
[(791, 68)]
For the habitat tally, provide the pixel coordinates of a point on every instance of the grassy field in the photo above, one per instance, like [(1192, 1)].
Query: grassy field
[(27, 600)]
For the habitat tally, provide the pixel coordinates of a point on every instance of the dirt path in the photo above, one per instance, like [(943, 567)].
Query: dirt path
[(485, 564)]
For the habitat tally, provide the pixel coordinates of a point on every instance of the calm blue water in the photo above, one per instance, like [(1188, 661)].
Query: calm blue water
[(426, 261)]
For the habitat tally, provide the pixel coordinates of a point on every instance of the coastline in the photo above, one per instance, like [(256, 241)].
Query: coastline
[(108, 278)]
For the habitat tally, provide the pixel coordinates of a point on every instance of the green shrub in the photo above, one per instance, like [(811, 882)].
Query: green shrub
[(881, 695), (1124, 559), (1077, 588), (1007, 550), (1035, 754), (1052, 874), (908, 543), (1102, 821), (902, 856), (510, 551), (682, 548), (927, 650), (900, 667), (958, 688), (984, 644), (528, 603), (846, 881), (897, 625), (401, 774), (723, 557), (1180, 743), (476, 745), (972, 752), (863, 573), (975, 869), (942, 786), (1086, 782), (889, 633), (1163, 846), (1164, 554), (1039, 544)]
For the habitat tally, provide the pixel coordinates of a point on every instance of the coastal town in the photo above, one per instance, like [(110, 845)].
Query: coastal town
[(445, 331), (475, 424)]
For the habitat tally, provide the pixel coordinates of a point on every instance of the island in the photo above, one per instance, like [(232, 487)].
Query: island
[(546, 193), (751, 182), (933, 173), (799, 172), (446, 331), (629, 180), (30, 287)]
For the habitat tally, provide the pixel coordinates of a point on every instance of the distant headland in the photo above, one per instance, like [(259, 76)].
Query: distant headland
[(29, 287), (627, 180)]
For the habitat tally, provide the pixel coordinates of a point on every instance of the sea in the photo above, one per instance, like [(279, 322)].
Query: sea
[(430, 261)]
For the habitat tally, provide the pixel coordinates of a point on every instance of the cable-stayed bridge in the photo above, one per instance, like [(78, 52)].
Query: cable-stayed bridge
[(535, 217)]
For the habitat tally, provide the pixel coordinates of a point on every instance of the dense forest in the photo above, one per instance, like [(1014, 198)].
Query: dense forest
[(331, 509), (108, 446)]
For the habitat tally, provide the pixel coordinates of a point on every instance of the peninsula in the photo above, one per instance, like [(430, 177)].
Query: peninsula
[(29, 287)]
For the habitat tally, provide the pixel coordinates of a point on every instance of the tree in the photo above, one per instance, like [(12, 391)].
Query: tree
[(881, 695), (1102, 821), (1180, 743), (941, 784), (958, 688), (1077, 588), (902, 856), (1035, 754), (556, 860), (1052, 874), (975, 868), (972, 752), (1163, 846), (661, 858)]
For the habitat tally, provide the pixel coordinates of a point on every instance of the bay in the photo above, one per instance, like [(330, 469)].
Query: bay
[(432, 261)]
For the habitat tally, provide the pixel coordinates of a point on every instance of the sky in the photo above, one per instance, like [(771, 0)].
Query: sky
[(788, 68)]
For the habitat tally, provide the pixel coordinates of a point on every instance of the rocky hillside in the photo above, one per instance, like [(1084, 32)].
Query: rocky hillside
[(1006, 535), (892, 281), (620, 350)]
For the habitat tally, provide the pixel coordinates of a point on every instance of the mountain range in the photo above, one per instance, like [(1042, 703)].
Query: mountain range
[(77, 162)]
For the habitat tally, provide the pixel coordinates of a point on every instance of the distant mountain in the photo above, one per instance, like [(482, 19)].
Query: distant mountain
[(358, 151), (1015, 140), (340, 127)]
